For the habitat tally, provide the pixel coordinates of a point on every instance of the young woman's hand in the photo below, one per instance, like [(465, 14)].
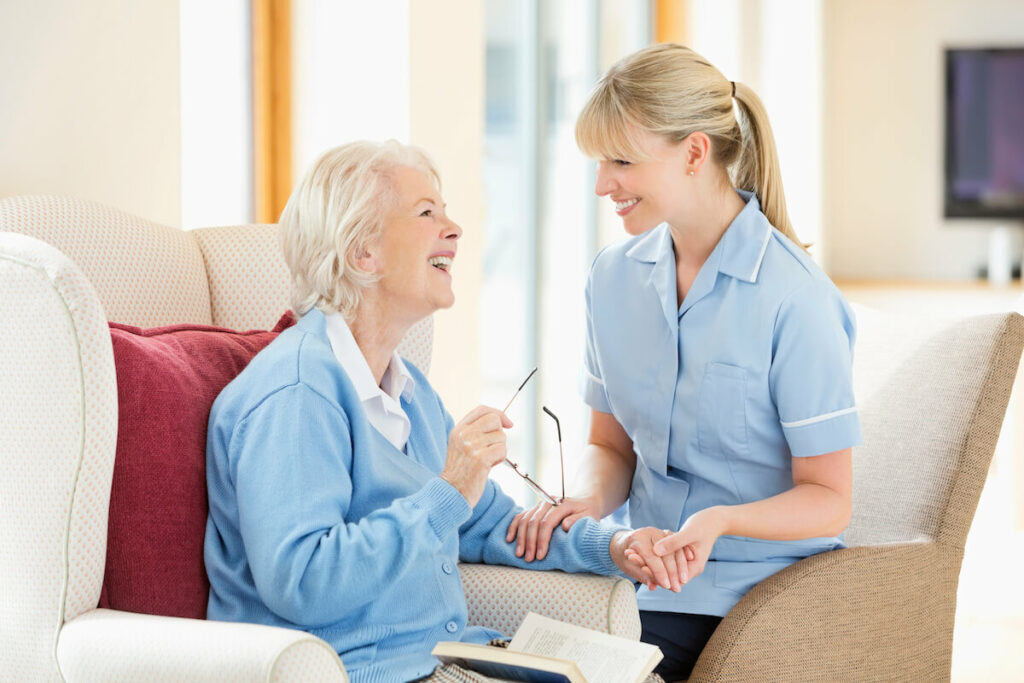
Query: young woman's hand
[(532, 528), (697, 536), (633, 552), (476, 444)]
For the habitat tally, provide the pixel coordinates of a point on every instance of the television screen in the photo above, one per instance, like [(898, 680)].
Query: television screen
[(985, 133)]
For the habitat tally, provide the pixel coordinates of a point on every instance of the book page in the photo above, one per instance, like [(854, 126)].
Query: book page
[(603, 658)]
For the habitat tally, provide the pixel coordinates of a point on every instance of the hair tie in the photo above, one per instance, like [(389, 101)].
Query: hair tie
[(733, 88)]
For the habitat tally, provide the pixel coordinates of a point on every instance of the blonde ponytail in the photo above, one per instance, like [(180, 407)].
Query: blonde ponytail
[(757, 168), (670, 90)]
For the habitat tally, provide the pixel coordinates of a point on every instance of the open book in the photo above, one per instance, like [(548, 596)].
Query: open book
[(549, 650)]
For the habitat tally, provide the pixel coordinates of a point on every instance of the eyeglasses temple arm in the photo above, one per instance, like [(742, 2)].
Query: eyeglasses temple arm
[(533, 485), (532, 373), (561, 457)]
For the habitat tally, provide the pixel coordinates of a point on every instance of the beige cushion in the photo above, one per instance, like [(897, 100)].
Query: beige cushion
[(928, 425)]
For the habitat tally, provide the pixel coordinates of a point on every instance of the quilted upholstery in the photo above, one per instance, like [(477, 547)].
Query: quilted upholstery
[(58, 422), (501, 597), (162, 283)]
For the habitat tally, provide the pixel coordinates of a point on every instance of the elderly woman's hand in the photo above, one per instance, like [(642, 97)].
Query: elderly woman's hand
[(475, 445), (532, 529)]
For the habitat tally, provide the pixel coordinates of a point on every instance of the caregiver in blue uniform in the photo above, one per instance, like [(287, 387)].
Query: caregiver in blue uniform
[(718, 355)]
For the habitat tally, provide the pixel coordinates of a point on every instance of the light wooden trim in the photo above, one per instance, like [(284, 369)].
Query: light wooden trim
[(272, 107), (670, 25)]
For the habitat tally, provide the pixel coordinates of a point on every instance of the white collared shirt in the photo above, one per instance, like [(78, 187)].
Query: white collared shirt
[(381, 403)]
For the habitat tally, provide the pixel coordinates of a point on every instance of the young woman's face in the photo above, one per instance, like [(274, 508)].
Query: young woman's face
[(646, 193), (416, 248)]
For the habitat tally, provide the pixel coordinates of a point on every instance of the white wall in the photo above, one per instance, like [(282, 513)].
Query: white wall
[(350, 74), (446, 117), (89, 103), (216, 113), (884, 134)]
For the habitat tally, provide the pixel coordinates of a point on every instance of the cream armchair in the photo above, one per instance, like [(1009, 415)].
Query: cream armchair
[(66, 268)]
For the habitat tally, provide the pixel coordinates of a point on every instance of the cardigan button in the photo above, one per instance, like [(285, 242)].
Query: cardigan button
[(451, 627)]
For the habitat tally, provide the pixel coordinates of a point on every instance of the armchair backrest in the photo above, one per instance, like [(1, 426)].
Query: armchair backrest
[(932, 394), (144, 274), (149, 275)]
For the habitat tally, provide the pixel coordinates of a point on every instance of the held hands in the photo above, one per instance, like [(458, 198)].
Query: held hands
[(693, 541), (476, 444), (633, 553), (532, 528)]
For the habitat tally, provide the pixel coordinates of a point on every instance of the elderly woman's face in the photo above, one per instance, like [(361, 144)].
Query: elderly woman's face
[(416, 249)]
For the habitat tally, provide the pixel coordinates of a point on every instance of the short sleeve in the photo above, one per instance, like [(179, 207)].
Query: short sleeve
[(590, 382), (811, 376)]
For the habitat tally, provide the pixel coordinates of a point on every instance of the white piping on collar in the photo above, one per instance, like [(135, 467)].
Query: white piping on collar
[(760, 257)]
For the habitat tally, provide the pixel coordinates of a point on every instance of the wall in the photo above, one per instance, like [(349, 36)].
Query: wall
[(884, 134), (91, 103), (446, 95), (350, 75), (775, 47), (216, 113)]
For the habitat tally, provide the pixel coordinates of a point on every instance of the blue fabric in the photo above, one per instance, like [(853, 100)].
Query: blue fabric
[(720, 392), (318, 523)]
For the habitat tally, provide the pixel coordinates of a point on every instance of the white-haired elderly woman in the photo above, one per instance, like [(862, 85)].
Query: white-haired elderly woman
[(342, 494)]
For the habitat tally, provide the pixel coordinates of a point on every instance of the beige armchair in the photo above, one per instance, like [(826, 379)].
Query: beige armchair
[(932, 395), (66, 268)]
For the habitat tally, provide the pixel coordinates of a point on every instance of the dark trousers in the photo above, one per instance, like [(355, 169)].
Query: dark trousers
[(681, 638)]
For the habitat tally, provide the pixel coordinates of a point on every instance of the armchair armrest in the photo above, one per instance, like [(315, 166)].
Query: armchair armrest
[(864, 613), (500, 597), (106, 645)]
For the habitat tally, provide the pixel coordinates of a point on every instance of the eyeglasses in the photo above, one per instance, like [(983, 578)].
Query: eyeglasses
[(526, 477)]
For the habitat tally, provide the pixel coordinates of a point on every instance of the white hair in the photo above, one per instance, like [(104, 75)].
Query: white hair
[(335, 214)]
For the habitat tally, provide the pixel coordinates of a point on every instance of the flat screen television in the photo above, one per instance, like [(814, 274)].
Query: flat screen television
[(985, 133)]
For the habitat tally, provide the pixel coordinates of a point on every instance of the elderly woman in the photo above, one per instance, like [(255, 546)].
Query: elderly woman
[(342, 494)]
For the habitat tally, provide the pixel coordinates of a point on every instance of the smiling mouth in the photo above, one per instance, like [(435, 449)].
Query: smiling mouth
[(623, 207), (441, 262)]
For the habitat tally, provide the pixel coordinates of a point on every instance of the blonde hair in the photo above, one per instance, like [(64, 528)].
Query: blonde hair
[(335, 214), (670, 90)]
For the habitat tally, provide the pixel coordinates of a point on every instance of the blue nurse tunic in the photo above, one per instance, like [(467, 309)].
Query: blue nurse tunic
[(718, 393)]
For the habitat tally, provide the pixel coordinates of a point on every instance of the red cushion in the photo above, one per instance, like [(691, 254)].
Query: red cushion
[(167, 380)]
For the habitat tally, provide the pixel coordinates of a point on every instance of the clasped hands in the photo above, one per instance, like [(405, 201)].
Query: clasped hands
[(654, 557)]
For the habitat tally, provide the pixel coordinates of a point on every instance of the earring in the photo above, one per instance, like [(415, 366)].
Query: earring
[(691, 172)]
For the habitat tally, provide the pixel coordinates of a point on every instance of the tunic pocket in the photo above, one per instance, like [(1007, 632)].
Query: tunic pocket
[(721, 411)]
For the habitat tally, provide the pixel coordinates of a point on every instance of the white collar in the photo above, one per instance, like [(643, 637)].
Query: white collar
[(397, 381)]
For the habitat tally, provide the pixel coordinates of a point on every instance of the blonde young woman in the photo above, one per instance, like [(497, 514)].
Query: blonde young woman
[(718, 355)]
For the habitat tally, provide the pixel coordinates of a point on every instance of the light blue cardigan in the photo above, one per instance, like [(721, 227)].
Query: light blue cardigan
[(318, 523)]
